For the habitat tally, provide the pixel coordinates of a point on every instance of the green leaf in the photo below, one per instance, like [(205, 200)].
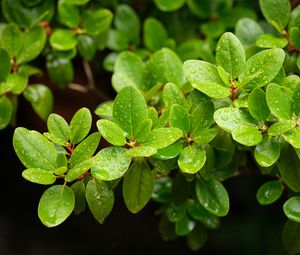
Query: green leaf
[(281, 127), (105, 110), (170, 151), (128, 22), (79, 169), (6, 111), (279, 102), (289, 167), (162, 137), (296, 101), (204, 77), (18, 81), (184, 226), (191, 159), (155, 34), (257, 105), (111, 132), (179, 118), (141, 151), (39, 176), (276, 12), (291, 208), (128, 71), (100, 199), (162, 67), (230, 54), (76, 2), (171, 94), (41, 99), (79, 192), (69, 14), (97, 21), (204, 136), (138, 185), (85, 149), (248, 30), (112, 163), (267, 152), (5, 65), (58, 126), (33, 43), (129, 109), (197, 238), (262, 68), (142, 130), (86, 46), (80, 125), (213, 196), (269, 192), (34, 150), (290, 237), (271, 41), (230, 118), (56, 205), (63, 39), (293, 137), (169, 5), (295, 36), (247, 135), (202, 117), (116, 41), (11, 39)]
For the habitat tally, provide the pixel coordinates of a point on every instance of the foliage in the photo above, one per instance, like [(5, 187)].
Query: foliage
[(189, 112)]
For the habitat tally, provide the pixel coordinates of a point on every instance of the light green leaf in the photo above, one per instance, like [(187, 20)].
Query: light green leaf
[(100, 199), (80, 125), (69, 14), (129, 109), (34, 150), (269, 192), (79, 169), (291, 208), (213, 196), (79, 192), (111, 132), (11, 39), (171, 94), (295, 36), (230, 54), (138, 186), (18, 81), (262, 68), (105, 110), (85, 149), (170, 151), (169, 5), (247, 135), (6, 111), (191, 159), (33, 43), (112, 163), (56, 205), (279, 102), (293, 137), (230, 118), (276, 12), (39, 176), (267, 152), (141, 151), (97, 21), (179, 118), (58, 126), (204, 77), (142, 130), (63, 39), (76, 2), (271, 41), (281, 127), (205, 136), (5, 65), (296, 101), (116, 41), (162, 137), (257, 105), (155, 34)]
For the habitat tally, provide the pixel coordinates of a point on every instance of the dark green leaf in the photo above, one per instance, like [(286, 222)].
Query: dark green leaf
[(257, 105), (290, 237), (5, 65), (179, 118), (170, 152), (169, 5), (86, 46), (6, 111), (79, 192), (197, 238), (296, 101), (269, 192), (11, 39), (142, 130), (267, 152)]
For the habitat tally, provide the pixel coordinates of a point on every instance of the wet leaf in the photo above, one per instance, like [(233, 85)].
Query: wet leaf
[(80, 125), (39, 176), (269, 192), (247, 135), (291, 208), (257, 105), (267, 152), (111, 132)]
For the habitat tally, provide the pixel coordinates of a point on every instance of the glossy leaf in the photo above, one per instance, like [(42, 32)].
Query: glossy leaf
[(171, 94), (56, 205), (281, 127), (111, 132), (58, 126), (291, 208), (191, 159), (293, 137), (129, 109), (213, 196), (230, 54), (100, 199), (202, 117), (269, 192), (34, 150), (63, 39), (204, 77), (97, 21), (39, 176), (257, 105), (247, 135), (112, 163), (262, 68), (170, 151), (267, 152), (79, 169), (142, 130), (141, 151), (179, 118), (80, 125), (6, 111), (138, 185), (271, 41), (169, 5), (296, 101)]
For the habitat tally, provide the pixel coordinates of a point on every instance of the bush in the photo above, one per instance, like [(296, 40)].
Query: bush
[(179, 127)]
